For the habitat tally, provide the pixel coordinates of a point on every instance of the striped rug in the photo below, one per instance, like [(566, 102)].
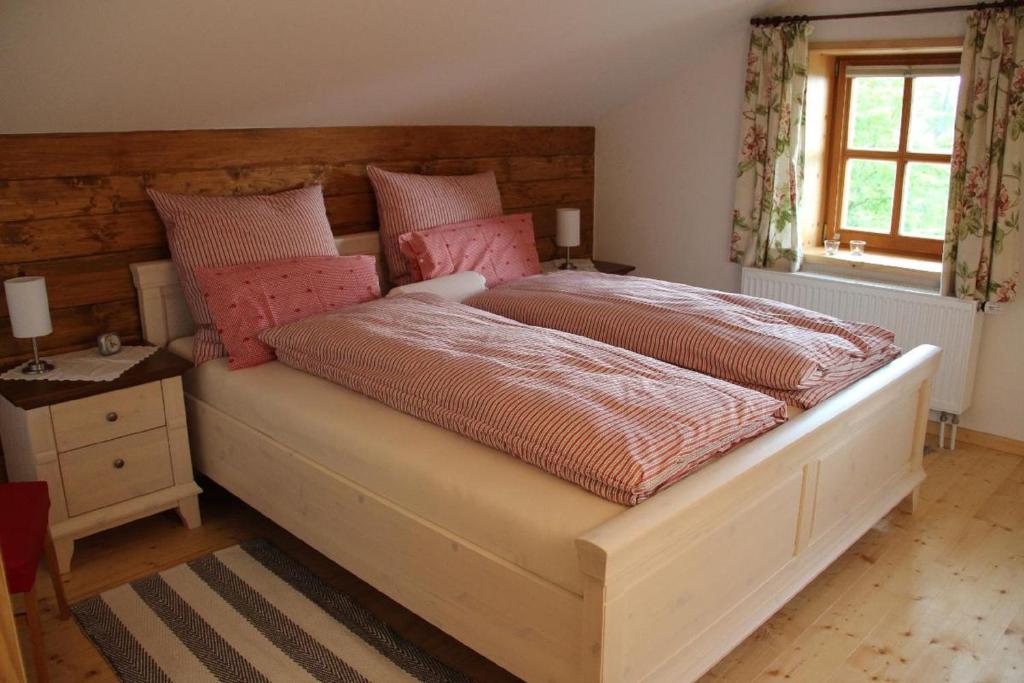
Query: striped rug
[(247, 613)]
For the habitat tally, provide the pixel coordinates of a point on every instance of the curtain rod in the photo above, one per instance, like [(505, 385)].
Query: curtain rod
[(775, 21)]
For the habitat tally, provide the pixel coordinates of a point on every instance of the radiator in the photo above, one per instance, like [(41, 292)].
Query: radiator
[(916, 317)]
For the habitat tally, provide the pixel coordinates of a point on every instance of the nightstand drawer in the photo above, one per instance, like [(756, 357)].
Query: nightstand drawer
[(113, 471), (107, 416)]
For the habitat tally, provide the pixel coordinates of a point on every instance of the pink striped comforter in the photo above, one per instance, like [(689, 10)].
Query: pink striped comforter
[(797, 355), (616, 423)]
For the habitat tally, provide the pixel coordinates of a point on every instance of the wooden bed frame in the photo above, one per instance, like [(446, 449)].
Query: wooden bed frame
[(670, 586)]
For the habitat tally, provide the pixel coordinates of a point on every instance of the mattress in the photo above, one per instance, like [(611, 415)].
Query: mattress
[(503, 505)]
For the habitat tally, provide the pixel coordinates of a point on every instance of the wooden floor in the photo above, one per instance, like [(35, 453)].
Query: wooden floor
[(934, 597)]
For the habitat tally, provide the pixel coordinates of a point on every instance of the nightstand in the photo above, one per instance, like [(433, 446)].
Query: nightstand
[(613, 268), (111, 452)]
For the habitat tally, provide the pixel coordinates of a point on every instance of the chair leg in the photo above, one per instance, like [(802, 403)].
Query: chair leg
[(53, 568), (35, 633)]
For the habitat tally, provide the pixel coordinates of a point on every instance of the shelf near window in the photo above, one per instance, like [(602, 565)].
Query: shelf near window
[(876, 266)]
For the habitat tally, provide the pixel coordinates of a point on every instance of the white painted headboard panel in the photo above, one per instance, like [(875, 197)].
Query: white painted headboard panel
[(162, 308)]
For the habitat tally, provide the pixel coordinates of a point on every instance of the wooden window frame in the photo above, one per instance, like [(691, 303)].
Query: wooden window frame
[(839, 153)]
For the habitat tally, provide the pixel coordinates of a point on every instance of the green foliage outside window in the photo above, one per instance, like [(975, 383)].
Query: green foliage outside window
[(876, 111)]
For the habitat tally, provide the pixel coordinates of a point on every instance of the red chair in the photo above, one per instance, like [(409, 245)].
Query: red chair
[(24, 538)]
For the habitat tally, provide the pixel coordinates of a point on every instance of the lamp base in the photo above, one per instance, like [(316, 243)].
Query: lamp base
[(568, 264), (37, 367)]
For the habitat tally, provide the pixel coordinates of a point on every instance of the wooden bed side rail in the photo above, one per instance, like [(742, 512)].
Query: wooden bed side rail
[(672, 585)]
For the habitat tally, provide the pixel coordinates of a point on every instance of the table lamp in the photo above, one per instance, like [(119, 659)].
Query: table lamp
[(29, 310), (567, 234)]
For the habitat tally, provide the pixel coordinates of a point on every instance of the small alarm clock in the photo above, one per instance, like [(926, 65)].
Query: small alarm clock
[(108, 343)]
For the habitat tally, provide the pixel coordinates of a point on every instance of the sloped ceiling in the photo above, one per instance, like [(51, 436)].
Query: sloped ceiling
[(67, 65)]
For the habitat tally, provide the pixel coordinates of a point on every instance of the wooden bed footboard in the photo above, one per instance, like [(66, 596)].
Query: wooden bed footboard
[(674, 584)]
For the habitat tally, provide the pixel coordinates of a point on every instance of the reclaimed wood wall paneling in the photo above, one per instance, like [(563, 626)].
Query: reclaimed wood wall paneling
[(73, 207)]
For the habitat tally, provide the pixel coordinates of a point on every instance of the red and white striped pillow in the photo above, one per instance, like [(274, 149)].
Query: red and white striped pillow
[(407, 202), (205, 232), (247, 299), (501, 249)]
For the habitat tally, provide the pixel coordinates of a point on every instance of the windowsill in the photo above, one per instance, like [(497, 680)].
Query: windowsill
[(917, 272)]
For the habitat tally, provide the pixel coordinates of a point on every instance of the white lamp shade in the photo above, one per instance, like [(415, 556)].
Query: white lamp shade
[(28, 307), (567, 232)]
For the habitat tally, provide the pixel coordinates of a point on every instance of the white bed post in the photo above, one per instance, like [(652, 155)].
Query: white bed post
[(162, 310), (593, 644), (910, 503)]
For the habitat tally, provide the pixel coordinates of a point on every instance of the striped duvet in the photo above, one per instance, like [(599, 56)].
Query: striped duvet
[(791, 353), (618, 424)]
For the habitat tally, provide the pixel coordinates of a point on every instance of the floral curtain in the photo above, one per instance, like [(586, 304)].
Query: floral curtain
[(770, 169), (981, 255)]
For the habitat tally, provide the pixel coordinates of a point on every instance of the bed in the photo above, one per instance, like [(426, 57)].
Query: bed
[(576, 589)]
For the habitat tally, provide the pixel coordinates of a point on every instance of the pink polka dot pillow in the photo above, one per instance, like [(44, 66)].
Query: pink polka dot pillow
[(244, 300), (501, 249)]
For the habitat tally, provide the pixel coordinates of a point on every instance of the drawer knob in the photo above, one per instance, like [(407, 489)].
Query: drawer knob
[(119, 463), (111, 416)]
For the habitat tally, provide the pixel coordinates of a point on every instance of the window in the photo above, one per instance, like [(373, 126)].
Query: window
[(892, 137)]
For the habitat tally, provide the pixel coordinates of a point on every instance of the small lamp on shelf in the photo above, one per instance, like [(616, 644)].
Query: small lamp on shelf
[(567, 234), (29, 310)]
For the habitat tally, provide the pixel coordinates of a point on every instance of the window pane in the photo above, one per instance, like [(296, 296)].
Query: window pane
[(876, 108), (932, 113), (925, 196), (868, 195)]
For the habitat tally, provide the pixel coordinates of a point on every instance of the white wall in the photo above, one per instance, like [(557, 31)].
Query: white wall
[(665, 171)]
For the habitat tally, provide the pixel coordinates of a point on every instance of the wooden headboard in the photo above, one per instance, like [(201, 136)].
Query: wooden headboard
[(73, 207)]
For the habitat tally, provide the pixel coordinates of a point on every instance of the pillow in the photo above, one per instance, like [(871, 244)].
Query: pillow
[(407, 202), (247, 299), (457, 287), (205, 232), (501, 249)]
